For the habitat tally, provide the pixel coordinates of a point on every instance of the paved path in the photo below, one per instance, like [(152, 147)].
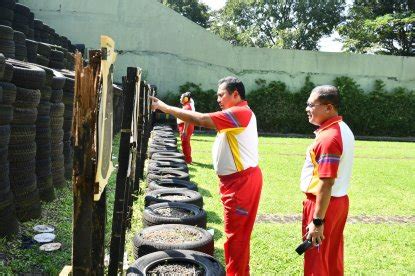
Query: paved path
[(273, 218)]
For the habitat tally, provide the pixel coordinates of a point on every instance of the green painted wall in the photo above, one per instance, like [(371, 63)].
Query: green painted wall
[(173, 50)]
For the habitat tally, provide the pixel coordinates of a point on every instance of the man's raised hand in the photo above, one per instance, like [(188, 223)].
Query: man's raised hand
[(156, 104)]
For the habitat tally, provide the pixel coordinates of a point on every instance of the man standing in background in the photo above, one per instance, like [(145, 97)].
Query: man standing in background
[(325, 179), (186, 129)]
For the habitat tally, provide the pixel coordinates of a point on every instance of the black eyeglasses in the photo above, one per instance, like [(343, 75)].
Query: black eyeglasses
[(311, 105)]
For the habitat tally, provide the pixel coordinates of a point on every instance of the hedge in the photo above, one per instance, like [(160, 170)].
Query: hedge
[(279, 110)]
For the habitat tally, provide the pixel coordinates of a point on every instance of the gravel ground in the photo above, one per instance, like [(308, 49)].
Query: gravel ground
[(173, 236), (178, 268), (173, 212)]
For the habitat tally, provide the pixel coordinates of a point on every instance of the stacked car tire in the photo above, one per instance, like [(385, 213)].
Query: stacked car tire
[(173, 209), (7, 47), (31, 48), (57, 58), (57, 110), (20, 45), (43, 54), (8, 222), (34, 149), (43, 141), (39, 34), (7, 12), (68, 99), (23, 20), (22, 145)]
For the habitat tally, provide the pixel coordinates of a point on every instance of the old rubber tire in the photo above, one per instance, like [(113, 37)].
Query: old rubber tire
[(143, 246), (8, 74), (209, 265), (162, 195), (4, 135), (172, 184), (27, 75), (196, 215), (27, 98), (43, 109), (160, 155), (154, 166), (169, 160), (6, 114), (9, 92), (24, 116), (167, 173), (6, 32), (56, 96), (22, 134), (23, 152), (57, 110)]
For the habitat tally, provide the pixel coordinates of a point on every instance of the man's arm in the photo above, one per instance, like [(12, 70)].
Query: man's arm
[(323, 196), (193, 117)]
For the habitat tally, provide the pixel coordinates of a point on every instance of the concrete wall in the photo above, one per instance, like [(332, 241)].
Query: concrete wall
[(173, 50)]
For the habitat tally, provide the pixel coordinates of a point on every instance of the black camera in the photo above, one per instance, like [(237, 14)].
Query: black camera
[(304, 246)]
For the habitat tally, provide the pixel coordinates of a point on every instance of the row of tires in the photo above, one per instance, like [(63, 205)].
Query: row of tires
[(31, 140), (14, 44), (20, 17), (174, 240)]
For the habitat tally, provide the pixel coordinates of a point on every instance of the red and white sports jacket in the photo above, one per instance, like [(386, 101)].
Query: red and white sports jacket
[(236, 145), (330, 156)]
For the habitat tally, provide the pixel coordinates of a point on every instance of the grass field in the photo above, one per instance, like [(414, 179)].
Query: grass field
[(383, 184)]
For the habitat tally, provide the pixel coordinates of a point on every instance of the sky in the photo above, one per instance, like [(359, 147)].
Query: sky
[(327, 44)]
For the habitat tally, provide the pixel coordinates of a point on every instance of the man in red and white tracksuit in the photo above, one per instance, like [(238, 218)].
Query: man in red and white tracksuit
[(235, 160), (186, 129), (325, 179)]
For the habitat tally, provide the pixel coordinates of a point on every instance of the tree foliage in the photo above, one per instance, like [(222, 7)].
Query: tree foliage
[(192, 9), (379, 26), (289, 24), (278, 109)]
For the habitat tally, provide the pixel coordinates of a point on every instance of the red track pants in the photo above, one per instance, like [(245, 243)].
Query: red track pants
[(240, 193), (186, 148), (328, 258)]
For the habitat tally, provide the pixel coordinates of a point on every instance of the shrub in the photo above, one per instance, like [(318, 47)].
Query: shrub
[(375, 113), (205, 101)]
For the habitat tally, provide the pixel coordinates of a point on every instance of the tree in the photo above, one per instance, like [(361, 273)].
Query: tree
[(289, 24), (379, 26), (192, 9)]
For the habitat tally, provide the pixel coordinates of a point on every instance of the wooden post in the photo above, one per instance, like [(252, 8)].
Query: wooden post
[(99, 215), (143, 146), (84, 131), (140, 130), (123, 162)]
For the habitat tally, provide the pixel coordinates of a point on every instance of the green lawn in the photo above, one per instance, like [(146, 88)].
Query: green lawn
[(383, 184)]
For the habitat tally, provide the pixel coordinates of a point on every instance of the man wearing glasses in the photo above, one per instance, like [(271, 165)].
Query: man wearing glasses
[(325, 179), (235, 160)]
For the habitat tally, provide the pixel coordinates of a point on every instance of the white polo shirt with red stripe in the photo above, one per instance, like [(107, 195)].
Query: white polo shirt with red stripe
[(330, 156), (236, 145)]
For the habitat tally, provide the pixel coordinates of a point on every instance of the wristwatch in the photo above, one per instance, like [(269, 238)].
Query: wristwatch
[(318, 221)]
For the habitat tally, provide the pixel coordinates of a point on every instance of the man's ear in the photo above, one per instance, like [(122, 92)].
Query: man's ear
[(235, 93), (330, 107)]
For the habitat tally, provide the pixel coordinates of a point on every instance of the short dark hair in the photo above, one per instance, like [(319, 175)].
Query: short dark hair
[(187, 94), (232, 84), (328, 94)]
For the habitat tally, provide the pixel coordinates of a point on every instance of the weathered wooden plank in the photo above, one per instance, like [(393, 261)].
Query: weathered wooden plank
[(116, 257), (84, 131)]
